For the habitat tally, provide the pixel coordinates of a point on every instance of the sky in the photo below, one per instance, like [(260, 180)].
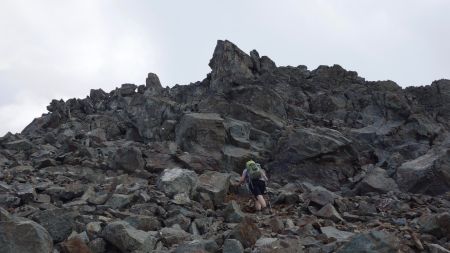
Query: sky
[(53, 49)]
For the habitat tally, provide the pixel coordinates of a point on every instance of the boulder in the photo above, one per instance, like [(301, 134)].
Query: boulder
[(233, 213), (371, 242), (127, 238), (128, 159), (319, 195), (19, 145), (202, 133), (332, 232), (24, 236), (215, 184), (75, 245), (145, 223), (127, 89), (198, 246), (305, 143), (58, 222), (246, 232), (232, 246), (436, 224), (171, 236), (119, 201), (429, 174), (376, 180), (177, 180), (329, 212)]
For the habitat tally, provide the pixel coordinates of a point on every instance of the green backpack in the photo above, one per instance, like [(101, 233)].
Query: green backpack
[(254, 171)]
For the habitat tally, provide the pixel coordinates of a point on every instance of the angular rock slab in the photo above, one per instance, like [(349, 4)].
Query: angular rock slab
[(177, 180), (215, 184), (24, 236), (372, 242), (58, 222), (127, 238), (429, 174)]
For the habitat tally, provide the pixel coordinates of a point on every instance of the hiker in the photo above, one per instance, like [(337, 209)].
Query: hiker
[(256, 179)]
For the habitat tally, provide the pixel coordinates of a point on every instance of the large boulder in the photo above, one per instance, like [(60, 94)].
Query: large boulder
[(428, 174), (58, 222), (177, 180), (377, 180), (233, 212), (305, 143), (246, 232), (202, 133), (371, 242), (127, 238), (24, 236), (215, 184), (435, 224), (171, 236), (198, 246), (128, 159)]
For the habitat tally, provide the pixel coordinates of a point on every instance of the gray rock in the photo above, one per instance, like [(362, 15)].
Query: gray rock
[(145, 223), (232, 246), (97, 245), (25, 192), (24, 236), (128, 159), (229, 63), (233, 213), (371, 242), (426, 174), (152, 83), (201, 133), (304, 143), (8, 200), (19, 145), (246, 232), (179, 219), (177, 180), (329, 212), (320, 195), (435, 248), (127, 238), (377, 180), (171, 236), (197, 246), (119, 201), (435, 224), (332, 232), (216, 184), (58, 222)]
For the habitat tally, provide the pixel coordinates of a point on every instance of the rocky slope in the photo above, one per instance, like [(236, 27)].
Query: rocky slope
[(355, 166)]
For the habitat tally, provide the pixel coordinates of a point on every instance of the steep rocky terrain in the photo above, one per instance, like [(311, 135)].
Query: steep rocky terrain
[(354, 166)]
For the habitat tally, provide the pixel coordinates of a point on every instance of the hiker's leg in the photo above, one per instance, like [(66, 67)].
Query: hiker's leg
[(257, 205), (261, 201)]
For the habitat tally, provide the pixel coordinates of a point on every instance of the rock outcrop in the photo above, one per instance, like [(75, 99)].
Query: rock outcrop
[(354, 165)]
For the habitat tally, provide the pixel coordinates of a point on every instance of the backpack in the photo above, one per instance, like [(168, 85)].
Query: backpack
[(254, 171)]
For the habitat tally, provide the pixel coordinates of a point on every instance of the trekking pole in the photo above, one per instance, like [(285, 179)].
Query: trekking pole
[(268, 200)]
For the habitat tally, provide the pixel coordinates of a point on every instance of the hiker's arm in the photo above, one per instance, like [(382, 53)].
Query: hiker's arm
[(265, 176), (242, 179)]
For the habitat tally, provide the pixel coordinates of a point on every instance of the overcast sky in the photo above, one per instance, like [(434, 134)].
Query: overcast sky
[(62, 49)]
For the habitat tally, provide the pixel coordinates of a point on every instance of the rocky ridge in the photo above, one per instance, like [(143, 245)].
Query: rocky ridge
[(355, 166)]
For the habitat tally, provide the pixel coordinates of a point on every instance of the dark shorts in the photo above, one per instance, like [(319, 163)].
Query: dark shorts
[(257, 187)]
